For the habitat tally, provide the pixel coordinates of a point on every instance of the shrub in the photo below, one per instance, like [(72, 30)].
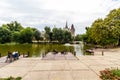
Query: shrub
[(11, 78), (110, 74)]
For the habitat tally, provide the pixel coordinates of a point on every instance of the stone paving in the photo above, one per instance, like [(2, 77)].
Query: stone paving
[(2, 62), (59, 56), (86, 68)]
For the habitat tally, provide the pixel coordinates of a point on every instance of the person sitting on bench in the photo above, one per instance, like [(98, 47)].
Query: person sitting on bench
[(15, 55), (9, 56)]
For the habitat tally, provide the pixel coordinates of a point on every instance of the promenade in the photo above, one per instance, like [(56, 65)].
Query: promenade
[(2, 62), (80, 68)]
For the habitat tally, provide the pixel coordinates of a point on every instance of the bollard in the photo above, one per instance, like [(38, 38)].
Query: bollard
[(28, 55), (43, 55), (74, 53), (23, 55), (102, 53)]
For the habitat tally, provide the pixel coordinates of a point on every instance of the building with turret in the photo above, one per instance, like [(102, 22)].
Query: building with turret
[(70, 29)]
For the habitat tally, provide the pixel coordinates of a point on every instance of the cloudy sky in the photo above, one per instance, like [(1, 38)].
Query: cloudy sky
[(41, 13)]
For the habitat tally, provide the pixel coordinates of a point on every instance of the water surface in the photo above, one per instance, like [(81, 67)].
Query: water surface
[(37, 49)]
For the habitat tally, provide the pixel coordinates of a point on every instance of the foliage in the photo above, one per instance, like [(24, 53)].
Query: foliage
[(58, 34), (61, 36), (47, 32), (16, 36), (26, 35), (5, 35), (11, 78), (67, 37), (105, 31), (10, 32), (37, 35), (78, 37), (110, 74), (14, 32), (14, 26)]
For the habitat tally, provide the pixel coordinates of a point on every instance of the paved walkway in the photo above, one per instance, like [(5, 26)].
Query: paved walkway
[(86, 68), (59, 56), (2, 62)]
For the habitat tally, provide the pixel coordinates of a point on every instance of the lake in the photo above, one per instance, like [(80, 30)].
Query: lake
[(37, 49)]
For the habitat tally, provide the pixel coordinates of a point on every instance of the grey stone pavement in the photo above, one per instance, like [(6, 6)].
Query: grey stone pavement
[(59, 56), (86, 68), (2, 62)]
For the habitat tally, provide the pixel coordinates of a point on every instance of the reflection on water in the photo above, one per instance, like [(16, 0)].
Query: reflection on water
[(37, 49), (78, 49)]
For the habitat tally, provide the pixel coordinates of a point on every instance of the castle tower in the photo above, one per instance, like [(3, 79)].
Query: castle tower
[(72, 30), (66, 27)]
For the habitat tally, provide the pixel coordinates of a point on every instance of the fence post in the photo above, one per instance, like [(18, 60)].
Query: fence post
[(23, 55), (74, 53), (28, 54), (102, 53), (0, 54)]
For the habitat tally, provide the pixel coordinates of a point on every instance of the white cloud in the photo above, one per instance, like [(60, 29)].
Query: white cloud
[(40, 13)]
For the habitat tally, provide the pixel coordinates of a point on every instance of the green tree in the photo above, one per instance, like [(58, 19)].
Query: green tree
[(113, 21), (57, 34), (37, 35), (51, 36), (47, 32), (87, 37), (67, 37), (14, 26), (26, 35), (78, 37), (61, 36), (105, 31), (54, 35), (5, 35), (16, 36), (84, 37)]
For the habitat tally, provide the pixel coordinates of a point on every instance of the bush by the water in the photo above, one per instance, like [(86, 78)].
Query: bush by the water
[(110, 74), (11, 78)]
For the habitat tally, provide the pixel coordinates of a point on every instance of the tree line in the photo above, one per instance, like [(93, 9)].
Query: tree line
[(15, 32), (58, 34), (104, 32)]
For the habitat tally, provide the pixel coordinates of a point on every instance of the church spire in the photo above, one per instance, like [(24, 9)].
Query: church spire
[(66, 26), (72, 30), (72, 27)]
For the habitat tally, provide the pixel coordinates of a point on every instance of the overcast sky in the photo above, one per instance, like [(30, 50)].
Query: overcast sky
[(41, 13)]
